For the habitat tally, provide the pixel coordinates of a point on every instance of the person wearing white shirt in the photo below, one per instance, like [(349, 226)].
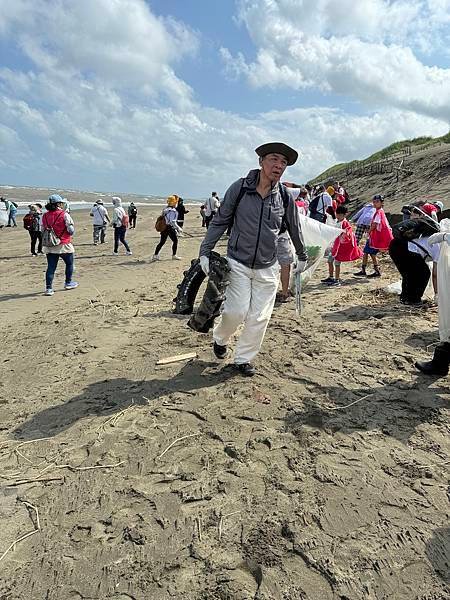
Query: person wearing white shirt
[(100, 218), (320, 204), (212, 205), (363, 219)]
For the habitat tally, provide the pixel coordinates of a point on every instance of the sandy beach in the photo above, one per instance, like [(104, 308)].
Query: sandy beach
[(325, 477)]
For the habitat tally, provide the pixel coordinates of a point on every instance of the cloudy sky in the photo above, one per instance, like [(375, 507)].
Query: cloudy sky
[(172, 96)]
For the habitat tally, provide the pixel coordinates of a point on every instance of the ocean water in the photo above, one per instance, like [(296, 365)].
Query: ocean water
[(83, 205)]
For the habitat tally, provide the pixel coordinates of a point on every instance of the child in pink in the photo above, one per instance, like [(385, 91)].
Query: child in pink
[(380, 236), (345, 249)]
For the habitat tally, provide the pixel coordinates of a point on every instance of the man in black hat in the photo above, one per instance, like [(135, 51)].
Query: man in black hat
[(258, 207)]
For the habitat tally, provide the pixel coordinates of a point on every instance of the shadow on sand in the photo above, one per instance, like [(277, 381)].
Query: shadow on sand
[(109, 396), (395, 409)]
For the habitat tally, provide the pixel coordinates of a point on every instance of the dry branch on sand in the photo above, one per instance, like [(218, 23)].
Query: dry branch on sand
[(37, 527), (184, 437)]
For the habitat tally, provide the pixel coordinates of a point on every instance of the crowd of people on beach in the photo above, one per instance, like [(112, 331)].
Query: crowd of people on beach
[(261, 218)]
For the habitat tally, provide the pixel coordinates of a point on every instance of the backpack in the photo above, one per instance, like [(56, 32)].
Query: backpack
[(284, 197), (49, 237), (28, 222), (161, 224), (125, 220), (314, 205), (414, 228)]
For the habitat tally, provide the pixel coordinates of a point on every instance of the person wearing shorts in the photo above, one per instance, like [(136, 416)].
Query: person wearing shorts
[(285, 258)]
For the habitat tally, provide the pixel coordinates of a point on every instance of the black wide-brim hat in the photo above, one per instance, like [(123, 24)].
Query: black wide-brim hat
[(278, 148)]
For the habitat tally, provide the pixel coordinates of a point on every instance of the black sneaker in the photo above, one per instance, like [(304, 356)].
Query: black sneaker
[(246, 369), (374, 274), (361, 273), (327, 280), (219, 351)]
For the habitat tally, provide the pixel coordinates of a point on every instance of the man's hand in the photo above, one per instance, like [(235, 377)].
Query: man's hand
[(438, 238), (204, 263), (299, 267)]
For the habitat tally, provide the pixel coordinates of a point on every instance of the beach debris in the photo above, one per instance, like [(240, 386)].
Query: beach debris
[(184, 437), (37, 527), (177, 358)]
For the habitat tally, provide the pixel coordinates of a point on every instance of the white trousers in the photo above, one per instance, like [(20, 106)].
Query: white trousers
[(250, 297)]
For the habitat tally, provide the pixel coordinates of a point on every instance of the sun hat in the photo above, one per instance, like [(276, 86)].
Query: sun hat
[(289, 153), (55, 199), (99, 201)]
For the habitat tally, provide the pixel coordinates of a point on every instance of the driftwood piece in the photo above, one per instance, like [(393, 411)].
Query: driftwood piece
[(177, 358)]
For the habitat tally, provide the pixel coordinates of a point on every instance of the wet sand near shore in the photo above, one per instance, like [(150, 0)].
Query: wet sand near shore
[(324, 477)]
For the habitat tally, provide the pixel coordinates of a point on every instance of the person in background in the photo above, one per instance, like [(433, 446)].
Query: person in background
[(211, 207), (345, 249), (61, 222), (12, 215), (363, 219), (320, 205), (172, 230), (380, 237), (182, 211), (99, 221), (440, 363), (132, 214), (439, 208), (203, 215), (411, 258), (32, 223), (120, 224)]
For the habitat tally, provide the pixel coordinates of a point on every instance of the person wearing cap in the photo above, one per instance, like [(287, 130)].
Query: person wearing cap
[(257, 206), (172, 230), (58, 220), (120, 223), (100, 218), (379, 240)]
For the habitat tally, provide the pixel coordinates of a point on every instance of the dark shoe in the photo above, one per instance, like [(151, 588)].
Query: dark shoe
[(219, 351), (374, 274), (361, 273), (327, 280), (246, 369), (417, 303), (440, 363), (334, 283)]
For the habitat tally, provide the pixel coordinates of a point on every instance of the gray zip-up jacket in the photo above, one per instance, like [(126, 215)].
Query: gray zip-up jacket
[(257, 223)]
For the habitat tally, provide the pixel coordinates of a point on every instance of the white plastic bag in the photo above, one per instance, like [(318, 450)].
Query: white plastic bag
[(443, 277), (3, 217), (317, 237), (396, 287)]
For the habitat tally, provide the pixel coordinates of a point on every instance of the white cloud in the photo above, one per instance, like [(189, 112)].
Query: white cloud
[(101, 105), (363, 49), (115, 42)]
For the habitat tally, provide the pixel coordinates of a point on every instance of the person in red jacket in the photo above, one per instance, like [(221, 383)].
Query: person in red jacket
[(345, 249), (57, 219)]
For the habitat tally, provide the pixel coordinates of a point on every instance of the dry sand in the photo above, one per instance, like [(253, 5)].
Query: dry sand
[(208, 486)]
